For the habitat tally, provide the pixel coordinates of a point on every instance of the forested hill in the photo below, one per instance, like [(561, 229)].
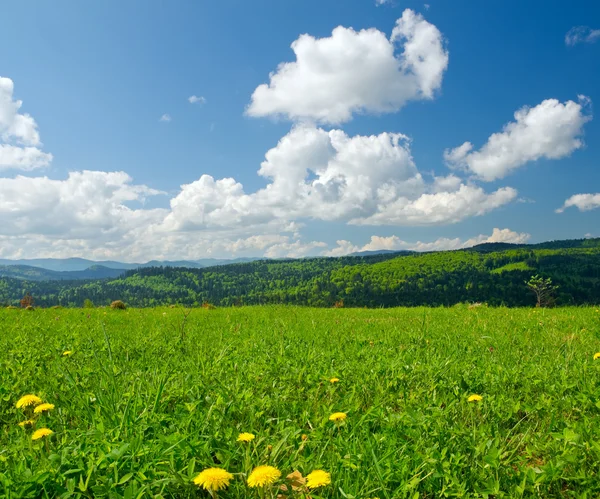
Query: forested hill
[(491, 273)]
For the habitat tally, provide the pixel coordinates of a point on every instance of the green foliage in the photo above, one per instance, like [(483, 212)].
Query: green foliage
[(140, 413), (87, 303), (487, 274), (118, 305), (543, 289)]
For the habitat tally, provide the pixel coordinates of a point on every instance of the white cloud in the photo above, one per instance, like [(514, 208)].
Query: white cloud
[(165, 118), (355, 72), (193, 99), (381, 2), (394, 243), (439, 208), (23, 158), (19, 136), (581, 34), (550, 130), (311, 174), (584, 202), (327, 175)]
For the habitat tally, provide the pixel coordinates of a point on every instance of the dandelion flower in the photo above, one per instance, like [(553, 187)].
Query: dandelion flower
[(67, 353), (597, 356), (318, 478), (27, 423), (28, 400), (245, 437), (41, 433), (475, 398), (43, 408), (262, 476), (213, 479), (334, 380), (338, 416)]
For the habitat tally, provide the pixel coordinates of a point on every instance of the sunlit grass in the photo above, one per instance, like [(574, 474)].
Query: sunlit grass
[(144, 402)]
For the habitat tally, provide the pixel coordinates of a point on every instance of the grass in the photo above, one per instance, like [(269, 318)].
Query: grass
[(149, 398)]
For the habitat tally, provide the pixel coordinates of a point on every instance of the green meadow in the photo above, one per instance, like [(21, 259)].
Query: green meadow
[(148, 398)]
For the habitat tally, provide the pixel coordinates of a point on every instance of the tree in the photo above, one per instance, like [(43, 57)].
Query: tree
[(543, 289)]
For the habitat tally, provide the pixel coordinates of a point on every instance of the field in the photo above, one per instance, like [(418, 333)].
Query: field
[(149, 398)]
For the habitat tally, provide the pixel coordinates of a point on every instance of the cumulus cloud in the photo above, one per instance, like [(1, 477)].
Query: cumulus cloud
[(194, 99), (355, 72), (584, 202), (550, 130), (19, 136), (327, 175), (23, 158), (581, 34), (394, 243), (311, 174)]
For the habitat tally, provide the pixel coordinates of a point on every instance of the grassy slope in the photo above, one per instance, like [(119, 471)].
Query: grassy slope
[(140, 412)]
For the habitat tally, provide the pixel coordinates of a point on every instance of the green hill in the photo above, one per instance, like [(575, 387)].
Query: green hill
[(489, 273)]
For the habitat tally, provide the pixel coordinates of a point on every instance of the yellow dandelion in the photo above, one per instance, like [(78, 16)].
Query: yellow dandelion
[(597, 356), (27, 423), (245, 437), (338, 416), (28, 400), (67, 353), (43, 408), (41, 433), (213, 479), (262, 476), (475, 398), (334, 380), (318, 478)]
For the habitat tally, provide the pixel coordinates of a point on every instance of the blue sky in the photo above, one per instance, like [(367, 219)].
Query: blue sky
[(97, 77)]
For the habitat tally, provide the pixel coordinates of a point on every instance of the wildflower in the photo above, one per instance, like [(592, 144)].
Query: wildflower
[(41, 433), (318, 478), (304, 437), (338, 416), (43, 408), (213, 479), (28, 423), (28, 400), (475, 398), (262, 476), (597, 356), (334, 380), (245, 437), (67, 353)]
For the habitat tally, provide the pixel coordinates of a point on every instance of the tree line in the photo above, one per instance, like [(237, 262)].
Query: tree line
[(494, 274)]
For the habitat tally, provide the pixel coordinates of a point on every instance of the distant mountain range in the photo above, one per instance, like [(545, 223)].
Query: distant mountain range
[(43, 269)]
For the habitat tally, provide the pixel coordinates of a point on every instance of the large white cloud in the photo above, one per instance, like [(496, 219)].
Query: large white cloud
[(584, 202), (19, 136), (355, 72), (327, 175), (84, 205), (311, 174), (551, 130), (394, 243)]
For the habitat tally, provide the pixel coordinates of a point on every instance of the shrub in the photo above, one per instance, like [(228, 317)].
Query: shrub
[(12, 307), (208, 306), (29, 307), (87, 303), (27, 301), (118, 305)]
